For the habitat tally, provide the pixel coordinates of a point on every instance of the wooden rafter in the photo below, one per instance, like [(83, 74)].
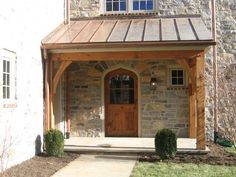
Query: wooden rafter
[(62, 68)]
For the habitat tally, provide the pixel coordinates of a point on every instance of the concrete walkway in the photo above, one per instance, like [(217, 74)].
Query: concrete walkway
[(99, 166)]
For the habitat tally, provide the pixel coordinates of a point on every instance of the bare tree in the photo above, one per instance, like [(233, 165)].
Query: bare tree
[(227, 103), (6, 143)]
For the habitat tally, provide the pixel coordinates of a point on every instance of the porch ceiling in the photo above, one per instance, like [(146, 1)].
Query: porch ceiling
[(129, 32)]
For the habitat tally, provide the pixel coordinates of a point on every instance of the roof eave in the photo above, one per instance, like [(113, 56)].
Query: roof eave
[(121, 45)]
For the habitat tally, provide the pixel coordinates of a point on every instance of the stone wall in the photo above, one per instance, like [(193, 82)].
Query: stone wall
[(226, 30), (23, 25), (166, 108)]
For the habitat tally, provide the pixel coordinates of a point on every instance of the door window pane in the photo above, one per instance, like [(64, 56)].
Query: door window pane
[(121, 89)]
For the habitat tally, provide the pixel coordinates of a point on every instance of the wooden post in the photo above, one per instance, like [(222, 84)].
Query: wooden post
[(191, 70), (192, 111), (46, 98), (67, 106), (200, 94), (51, 113)]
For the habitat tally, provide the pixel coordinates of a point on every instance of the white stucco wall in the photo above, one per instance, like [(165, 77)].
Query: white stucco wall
[(23, 24)]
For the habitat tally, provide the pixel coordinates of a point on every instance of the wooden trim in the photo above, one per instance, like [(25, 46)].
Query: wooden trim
[(59, 73), (123, 56), (200, 94)]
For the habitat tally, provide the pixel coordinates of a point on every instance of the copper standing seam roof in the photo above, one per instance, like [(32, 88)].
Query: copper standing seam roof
[(175, 30)]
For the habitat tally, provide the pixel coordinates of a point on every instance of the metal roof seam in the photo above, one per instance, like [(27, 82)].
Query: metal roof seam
[(193, 29), (80, 31), (177, 29), (69, 26), (127, 31), (160, 31), (96, 31), (111, 31), (144, 29)]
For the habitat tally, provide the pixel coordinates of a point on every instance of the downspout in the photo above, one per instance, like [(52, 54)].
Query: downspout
[(215, 70), (67, 12)]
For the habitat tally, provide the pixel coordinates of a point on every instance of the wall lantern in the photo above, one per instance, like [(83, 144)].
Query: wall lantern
[(153, 84)]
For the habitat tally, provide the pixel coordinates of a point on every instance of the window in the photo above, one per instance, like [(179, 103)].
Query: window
[(115, 5), (146, 5), (177, 77), (127, 6), (121, 89), (7, 77)]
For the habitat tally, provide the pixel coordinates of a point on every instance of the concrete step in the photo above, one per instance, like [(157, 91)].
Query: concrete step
[(125, 150)]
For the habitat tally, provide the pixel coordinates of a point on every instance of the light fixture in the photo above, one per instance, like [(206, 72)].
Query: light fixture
[(153, 84)]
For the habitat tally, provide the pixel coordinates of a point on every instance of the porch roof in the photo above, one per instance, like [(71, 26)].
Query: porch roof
[(129, 31)]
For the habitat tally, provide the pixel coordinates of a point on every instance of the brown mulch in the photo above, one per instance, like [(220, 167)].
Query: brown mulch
[(39, 166), (217, 156), (44, 166)]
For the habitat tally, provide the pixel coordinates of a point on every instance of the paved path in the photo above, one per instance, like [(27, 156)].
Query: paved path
[(99, 166)]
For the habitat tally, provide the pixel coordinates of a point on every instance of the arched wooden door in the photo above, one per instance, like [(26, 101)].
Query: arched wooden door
[(121, 104)]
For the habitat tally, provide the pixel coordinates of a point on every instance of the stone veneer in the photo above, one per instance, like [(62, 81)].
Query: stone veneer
[(226, 36), (166, 108)]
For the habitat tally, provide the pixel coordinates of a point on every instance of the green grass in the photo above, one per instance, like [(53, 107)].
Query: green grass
[(146, 169), (231, 150)]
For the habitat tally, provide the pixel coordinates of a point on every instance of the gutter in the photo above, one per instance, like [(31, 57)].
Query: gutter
[(215, 70), (67, 12)]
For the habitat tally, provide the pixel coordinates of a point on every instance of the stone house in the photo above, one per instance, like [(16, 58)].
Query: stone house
[(92, 87), (23, 25), (130, 67)]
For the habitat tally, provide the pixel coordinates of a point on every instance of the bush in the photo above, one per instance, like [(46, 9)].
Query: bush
[(166, 144), (54, 143)]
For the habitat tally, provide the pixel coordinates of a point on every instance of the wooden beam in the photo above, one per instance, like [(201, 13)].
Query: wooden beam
[(200, 94), (125, 55), (59, 73)]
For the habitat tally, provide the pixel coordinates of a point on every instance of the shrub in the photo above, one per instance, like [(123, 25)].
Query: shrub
[(166, 144), (54, 143)]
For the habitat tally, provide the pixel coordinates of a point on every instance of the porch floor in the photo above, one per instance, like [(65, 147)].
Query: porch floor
[(125, 145)]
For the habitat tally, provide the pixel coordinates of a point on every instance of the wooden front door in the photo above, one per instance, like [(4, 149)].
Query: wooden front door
[(121, 104)]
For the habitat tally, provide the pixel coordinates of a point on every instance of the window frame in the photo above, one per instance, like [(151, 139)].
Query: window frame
[(129, 8), (10, 56), (170, 84), (132, 8)]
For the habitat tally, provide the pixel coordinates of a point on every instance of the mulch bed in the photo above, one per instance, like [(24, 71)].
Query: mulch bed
[(44, 166), (39, 166), (217, 156)]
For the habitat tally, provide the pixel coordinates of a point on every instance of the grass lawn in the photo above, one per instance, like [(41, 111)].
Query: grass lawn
[(145, 169)]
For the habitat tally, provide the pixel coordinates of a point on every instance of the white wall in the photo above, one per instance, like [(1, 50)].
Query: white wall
[(23, 24)]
